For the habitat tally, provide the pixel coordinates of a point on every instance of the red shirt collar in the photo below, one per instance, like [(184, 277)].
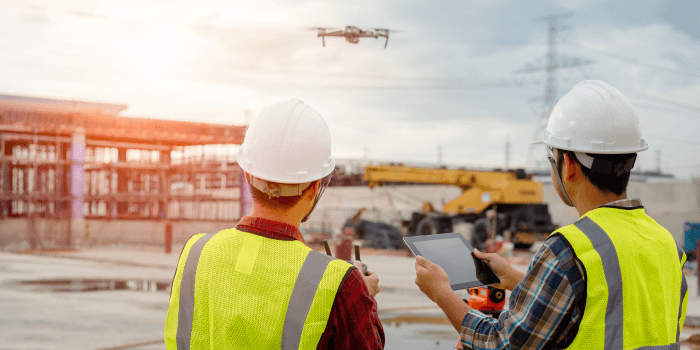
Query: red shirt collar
[(271, 228)]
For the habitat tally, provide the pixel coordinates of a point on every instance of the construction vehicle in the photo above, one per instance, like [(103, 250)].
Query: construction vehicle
[(488, 300), (512, 194)]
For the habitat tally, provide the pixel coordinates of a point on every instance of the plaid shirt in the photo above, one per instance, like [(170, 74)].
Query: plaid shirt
[(353, 322), (546, 307)]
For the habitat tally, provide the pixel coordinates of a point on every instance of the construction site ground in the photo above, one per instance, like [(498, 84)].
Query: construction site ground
[(99, 300)]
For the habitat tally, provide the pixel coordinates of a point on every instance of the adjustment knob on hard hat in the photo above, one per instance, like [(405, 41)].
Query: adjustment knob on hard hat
[(594, 117), (287, 143)]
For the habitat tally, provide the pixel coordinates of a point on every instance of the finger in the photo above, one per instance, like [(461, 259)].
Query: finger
[(483, 256), (422, 261), (358, 265)]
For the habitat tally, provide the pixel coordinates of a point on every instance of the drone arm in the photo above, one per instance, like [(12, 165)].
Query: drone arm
[(323, 39)]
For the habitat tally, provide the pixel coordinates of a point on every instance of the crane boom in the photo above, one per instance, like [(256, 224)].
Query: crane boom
[(480, 189)]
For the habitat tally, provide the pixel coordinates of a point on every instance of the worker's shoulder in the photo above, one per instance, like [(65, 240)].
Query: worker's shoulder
[(211, 239), (352, 282), (557, 244), (335, 263), (557, 254)]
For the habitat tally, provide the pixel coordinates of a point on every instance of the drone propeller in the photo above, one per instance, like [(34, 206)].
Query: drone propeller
[(322, 28), (386, 30), (385, 33)]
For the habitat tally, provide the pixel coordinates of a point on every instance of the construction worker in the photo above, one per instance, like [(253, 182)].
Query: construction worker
[(258, 286), (611, 280)]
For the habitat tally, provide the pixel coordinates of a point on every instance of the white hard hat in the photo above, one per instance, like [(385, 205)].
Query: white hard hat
[(594, 117), (287, 143)]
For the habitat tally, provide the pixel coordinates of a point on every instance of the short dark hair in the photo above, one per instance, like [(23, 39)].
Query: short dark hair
[(264, 198), (607, 183)]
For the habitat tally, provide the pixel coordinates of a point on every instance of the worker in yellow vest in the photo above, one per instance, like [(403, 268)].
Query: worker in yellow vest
[(611, 280), (258, 286)]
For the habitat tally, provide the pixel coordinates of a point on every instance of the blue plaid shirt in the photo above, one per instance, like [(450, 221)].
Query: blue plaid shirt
[(546, 307)]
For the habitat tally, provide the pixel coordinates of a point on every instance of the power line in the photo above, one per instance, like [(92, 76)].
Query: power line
[(671, 102), (675, 139), (683, 73), (535, 156), (652, 107)]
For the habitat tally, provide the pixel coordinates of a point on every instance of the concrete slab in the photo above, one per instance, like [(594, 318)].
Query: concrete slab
[(33, 318)]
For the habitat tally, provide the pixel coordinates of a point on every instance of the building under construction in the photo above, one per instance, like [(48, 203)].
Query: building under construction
[(76, 173)]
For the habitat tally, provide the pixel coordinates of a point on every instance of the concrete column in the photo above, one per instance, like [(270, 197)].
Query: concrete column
[(122, 181), (76, 184), (163, 205), (6, 176)]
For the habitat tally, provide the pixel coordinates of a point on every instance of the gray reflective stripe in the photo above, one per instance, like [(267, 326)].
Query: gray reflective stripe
[(613, 276), (684, 290), (186, 307), (302, 296), (674, 346), (680, 254)]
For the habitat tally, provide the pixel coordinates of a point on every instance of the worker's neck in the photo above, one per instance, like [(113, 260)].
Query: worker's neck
[(291, 216), (589, 197)]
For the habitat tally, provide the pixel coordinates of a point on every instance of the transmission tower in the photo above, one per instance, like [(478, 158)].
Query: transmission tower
[(508, 153), (536, 155)]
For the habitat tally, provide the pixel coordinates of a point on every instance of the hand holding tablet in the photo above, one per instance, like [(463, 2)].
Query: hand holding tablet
[(452, 253)]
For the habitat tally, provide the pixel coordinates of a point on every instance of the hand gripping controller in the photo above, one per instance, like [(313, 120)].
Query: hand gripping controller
[(357, 256)]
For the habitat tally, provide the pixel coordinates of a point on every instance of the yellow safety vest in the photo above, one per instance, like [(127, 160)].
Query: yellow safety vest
[(238, 290), (636, 295)]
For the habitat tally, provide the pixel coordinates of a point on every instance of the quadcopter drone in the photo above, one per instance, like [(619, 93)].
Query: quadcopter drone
[(353, 34)]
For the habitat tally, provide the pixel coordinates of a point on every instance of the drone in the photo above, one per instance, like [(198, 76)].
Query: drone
[(353, 34)]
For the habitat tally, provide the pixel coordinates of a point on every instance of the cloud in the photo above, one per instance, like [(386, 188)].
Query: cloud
[(445, 79)]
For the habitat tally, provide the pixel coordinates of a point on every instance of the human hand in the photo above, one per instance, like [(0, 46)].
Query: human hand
[(371, 280), (431, 278), (509, 276), (459, 346)]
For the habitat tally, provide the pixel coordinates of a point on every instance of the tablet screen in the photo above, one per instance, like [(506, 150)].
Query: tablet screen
[(454, 255)]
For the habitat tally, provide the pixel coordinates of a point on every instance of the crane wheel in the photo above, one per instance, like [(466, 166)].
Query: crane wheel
[(426, 226)]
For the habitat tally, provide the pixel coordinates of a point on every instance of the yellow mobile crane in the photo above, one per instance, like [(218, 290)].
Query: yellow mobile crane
[(515, 196)]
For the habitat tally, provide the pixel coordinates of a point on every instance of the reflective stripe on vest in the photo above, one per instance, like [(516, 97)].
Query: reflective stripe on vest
[(184, 316), (599, 253), (613, 276), (302, 297)]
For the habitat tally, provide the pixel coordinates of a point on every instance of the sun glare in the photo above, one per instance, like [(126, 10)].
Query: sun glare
[(156, 53)]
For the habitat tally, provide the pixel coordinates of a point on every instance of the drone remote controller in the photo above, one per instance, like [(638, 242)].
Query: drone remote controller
[(357, 256)]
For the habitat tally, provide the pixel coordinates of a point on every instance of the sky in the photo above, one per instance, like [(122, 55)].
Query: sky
[(443, 90)]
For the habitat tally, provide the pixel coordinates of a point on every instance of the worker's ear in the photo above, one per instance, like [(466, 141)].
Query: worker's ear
[(247, 179), (315, 187), (570, 170)]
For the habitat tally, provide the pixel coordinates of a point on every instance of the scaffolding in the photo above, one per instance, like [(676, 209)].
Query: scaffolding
[(70, 160)]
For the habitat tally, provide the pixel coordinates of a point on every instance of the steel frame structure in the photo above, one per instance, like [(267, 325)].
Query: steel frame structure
[(64, 160)]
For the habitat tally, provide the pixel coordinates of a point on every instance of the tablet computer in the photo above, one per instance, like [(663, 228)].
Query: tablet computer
[(454, 254)]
